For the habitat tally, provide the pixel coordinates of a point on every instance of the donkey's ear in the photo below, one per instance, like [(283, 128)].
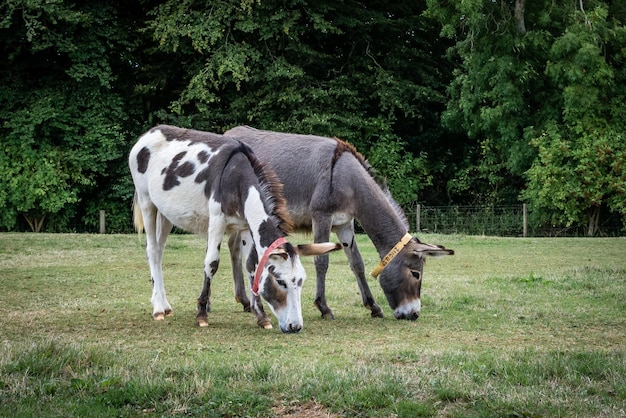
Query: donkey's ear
[(279, 252), (318, 249), (428, 250)]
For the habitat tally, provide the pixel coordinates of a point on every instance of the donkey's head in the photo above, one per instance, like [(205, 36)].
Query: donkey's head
[(401, 278), (279, 278)]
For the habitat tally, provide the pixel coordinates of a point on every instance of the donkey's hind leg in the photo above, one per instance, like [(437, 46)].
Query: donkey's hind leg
[(234, 246), (156, 227), (163, 229), (345, 233)]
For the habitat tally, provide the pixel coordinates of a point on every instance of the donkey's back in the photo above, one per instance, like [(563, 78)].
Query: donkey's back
[(178, 171), (306, 166)]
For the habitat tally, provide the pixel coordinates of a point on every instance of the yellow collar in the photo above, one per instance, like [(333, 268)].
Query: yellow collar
[(391, 254)]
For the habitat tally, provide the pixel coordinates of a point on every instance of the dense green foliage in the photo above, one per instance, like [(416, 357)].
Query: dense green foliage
[(539, 90), (463, 103), (581, 152), (63, 106)]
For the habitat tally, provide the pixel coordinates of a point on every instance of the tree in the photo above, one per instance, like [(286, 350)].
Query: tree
[(495, 93), (62, 111), (83, 79), (581, 150), (363, 72), (539, 92)]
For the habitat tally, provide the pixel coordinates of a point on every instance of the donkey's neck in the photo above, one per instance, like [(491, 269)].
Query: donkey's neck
[(261, 223), (380, 220)]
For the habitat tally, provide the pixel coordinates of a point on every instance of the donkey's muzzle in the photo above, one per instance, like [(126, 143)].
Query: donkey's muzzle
[(291, 329), (411, 316)]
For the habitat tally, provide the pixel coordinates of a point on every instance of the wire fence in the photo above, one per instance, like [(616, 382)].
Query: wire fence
[(471, 220), (504, 221)]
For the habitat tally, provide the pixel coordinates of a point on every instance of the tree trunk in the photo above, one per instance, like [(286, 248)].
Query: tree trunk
[(593, 224), (35, 222), (519, 16)]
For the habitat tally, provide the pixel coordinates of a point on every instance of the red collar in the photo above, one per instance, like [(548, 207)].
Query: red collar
[(259, 268)]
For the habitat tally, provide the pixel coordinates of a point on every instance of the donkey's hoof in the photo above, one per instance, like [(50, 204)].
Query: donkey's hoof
[(202, 321), (377, 313), (327, 313), (264, 323), (169, 312), (245, 303), (158, 316)]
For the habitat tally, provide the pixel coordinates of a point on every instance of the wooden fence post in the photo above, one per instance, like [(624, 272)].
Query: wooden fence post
[(525, 219), (102, 224), (417, 218)]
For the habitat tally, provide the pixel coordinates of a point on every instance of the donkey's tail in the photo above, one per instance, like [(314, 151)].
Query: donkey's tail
[(137, 216)]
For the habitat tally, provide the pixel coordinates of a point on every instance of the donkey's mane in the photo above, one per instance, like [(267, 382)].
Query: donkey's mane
[(272, 191), (343, 147)]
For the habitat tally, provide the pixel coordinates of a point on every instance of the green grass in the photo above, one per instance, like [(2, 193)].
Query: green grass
[(509, 327)]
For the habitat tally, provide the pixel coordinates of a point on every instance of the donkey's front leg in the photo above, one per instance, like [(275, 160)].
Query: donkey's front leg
[(204, 300), (217, 228), (251, 260), (262, 319), (321, 233), (346, 235)]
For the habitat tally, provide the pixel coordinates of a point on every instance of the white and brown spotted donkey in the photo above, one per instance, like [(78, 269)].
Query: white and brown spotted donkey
[(210, 184)]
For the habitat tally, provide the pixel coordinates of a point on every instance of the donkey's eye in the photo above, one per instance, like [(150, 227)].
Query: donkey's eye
[(416, 274), (282, 283)]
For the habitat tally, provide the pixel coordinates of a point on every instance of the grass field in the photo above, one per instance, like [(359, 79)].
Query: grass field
[(509, 327)]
